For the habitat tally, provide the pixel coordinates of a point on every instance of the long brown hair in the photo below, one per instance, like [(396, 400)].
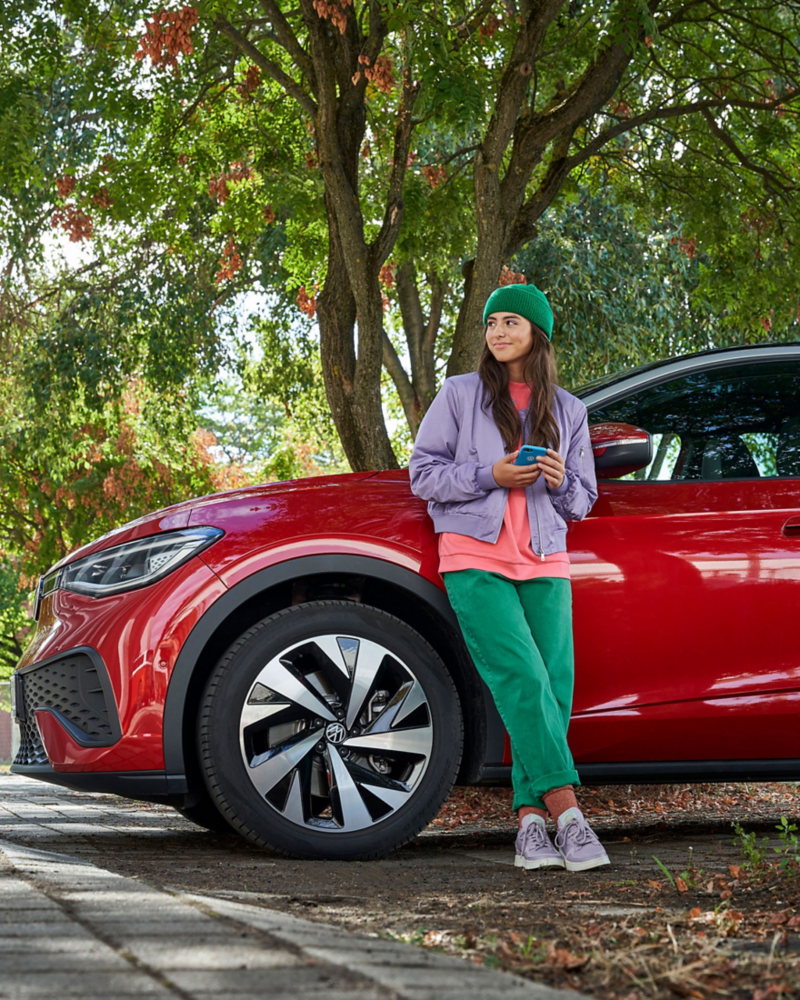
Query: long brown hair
[(541, 375)]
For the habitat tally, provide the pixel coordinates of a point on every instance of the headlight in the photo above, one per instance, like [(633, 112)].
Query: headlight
[(134, 564)]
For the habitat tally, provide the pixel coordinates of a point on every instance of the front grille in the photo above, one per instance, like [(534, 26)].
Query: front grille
[(72, 687), (31, 748)]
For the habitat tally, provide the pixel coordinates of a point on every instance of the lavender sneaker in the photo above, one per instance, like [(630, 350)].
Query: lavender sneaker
[(578, 843), (534, 849)]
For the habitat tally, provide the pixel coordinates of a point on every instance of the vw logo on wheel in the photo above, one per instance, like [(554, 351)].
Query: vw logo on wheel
[(335, 732)]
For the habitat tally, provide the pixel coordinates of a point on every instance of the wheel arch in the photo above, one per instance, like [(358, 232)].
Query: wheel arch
[(403, 593)]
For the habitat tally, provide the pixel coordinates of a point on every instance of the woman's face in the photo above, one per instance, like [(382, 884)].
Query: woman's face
[(509, 336)]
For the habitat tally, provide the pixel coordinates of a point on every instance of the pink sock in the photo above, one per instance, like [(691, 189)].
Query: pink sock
[(559, 800), (524, 811)]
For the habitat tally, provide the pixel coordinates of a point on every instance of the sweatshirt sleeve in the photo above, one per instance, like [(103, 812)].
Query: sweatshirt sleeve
[(435, 474), (575, 497)]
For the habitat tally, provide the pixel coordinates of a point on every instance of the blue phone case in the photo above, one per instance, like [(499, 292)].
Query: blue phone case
[(528, 454)]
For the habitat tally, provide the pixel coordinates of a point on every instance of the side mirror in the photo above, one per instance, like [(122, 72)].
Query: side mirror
[(619, 449)]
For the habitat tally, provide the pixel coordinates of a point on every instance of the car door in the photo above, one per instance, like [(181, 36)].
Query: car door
[(686, 577)]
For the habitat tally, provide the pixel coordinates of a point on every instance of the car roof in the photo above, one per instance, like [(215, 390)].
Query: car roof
[(654, 371)]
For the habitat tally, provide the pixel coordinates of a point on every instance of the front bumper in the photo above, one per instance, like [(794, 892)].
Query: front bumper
[(75, 689), (99, 704), (71, 694), (147, 786)]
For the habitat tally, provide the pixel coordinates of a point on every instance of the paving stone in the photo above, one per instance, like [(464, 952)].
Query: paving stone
[(161, 929), (88, 962), (351, 993), (465, 979), (63, 935), (296, 981), (49, 985), (353, 956), (29, 916), (209, 953), (25, 898)]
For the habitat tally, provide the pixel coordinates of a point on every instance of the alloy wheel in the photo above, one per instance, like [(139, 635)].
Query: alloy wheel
[(335, 733)]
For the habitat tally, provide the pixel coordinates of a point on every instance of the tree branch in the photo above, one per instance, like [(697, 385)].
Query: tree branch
[(267, 65), (770, 180), (438, 292), (288, 40), (523, 228), (398, 374), (664, 114), (459, 152), (382, 245), (515, 82)]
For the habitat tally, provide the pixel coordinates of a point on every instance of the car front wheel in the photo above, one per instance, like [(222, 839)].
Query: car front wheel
[(330, 730)]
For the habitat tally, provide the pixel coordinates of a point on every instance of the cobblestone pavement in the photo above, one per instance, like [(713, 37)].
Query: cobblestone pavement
[(70, 928)]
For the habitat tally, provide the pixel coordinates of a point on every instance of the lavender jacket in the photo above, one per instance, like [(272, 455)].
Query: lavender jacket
[(451, 467)]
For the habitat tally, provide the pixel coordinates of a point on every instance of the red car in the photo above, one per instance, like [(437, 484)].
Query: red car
[(283, 659)]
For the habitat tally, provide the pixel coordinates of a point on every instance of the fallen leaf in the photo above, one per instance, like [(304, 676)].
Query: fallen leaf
[(777, 989), (563, 958), (686, 991)]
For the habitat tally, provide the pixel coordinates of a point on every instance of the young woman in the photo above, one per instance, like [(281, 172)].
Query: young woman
[(502, 553)]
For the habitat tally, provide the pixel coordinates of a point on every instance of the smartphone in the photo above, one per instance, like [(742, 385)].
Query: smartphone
[(528, 454)]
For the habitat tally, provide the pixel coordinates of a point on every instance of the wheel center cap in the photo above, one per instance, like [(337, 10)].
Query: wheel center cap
[(335, 732)]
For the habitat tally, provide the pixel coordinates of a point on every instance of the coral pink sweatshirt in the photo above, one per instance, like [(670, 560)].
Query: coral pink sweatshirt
[(512, 555)]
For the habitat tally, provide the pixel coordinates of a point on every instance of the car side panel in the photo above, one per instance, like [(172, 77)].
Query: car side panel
[(767, 722), (684, 594)]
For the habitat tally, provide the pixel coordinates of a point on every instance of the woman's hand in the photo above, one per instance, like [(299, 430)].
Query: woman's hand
[(553, 468), (509, 475)]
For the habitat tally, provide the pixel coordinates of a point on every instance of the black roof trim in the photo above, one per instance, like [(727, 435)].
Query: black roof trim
[(604, 381)]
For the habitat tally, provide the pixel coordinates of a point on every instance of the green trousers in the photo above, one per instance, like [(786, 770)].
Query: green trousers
[(519, 634)]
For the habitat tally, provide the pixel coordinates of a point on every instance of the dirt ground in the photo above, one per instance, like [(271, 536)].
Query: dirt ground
[(684, 910)]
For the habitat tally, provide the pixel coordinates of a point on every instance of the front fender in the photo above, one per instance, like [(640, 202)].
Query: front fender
[(188, 660)]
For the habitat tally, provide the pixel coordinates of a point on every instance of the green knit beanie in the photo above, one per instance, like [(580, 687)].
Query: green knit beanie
[(524, 300)]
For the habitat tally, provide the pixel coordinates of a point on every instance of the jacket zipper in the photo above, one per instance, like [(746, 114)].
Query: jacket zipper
[(538, 524)]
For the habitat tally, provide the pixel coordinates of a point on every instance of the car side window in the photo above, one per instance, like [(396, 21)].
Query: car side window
[(734, 422)]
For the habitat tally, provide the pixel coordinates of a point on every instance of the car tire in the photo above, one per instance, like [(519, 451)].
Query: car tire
[(330, 730)]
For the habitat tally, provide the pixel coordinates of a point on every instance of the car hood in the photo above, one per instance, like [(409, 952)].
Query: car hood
[(178, 515)]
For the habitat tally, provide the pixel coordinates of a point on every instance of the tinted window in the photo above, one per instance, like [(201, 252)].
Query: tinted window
[(741, 422)]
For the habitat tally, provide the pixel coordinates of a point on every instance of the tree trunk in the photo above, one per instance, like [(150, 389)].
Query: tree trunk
[(352, 384)]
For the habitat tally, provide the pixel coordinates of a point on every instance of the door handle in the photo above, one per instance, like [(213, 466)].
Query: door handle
[(791, 528)]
